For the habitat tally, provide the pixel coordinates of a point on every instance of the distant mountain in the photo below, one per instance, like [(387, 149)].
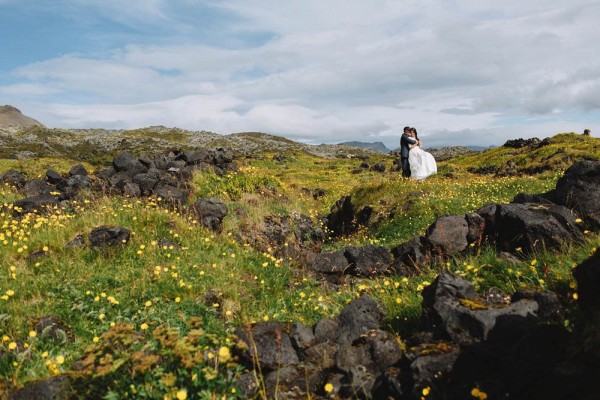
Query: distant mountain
[(11, 119), (374, 146)]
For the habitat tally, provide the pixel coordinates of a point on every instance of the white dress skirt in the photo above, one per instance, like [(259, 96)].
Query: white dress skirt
[(422, 164)]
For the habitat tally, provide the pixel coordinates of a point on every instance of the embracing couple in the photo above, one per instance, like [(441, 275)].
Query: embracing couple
[(416, 163)]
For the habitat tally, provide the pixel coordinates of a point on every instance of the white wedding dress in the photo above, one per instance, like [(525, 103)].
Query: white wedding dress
[(422, 164)]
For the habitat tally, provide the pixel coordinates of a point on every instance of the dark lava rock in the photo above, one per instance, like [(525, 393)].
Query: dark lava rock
[(429, 363), (549, 307), (53, 177), (358, 317), (340, 220), (518, 143), (36, 187), (533, 198), (146, 182), (129, 163), (378, 167), (326, 329), (363, 216), (321, 354), (534, 226), (171, 194), (78, 182), (109, 236), (369, 260), (269, 344), (78, 170), (131, 189), (38, 203), (410, 254), (447, 236), (276, 230), (13, 178), (302, 337), (210, 212), (518, 360), (54, 388), (106, 173), (579, 188), (587, 275), (452, 307)]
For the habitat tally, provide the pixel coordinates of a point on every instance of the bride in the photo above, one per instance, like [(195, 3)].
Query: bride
[(422, 164)]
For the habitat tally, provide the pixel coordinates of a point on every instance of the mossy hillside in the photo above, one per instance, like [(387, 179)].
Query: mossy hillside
[(562, 151), (222, 282)]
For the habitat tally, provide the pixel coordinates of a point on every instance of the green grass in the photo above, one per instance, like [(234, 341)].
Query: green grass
[(168, 303)]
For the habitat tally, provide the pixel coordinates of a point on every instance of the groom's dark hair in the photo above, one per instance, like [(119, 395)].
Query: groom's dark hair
[(406, 128)]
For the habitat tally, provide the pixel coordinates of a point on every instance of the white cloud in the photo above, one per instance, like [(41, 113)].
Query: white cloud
[(339, 70)]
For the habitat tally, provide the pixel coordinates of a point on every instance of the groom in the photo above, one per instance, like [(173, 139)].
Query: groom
[(405, 140)]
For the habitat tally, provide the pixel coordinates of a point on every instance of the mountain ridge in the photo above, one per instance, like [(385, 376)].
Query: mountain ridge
[(12, 119)]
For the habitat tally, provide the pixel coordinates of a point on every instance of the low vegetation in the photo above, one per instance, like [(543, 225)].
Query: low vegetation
[(176, 291)]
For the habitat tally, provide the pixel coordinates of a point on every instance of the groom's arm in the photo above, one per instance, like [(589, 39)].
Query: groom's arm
[(408, 139)]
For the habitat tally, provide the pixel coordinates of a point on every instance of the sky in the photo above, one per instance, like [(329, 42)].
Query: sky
[(463, 72)]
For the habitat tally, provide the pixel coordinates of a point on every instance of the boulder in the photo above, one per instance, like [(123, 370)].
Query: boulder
[(409, 255), (302, 337), (454, 310), (129, 163), (146, 182), (13, 178), (131, 189), (109, 236), (171, 194), (53, 177), (106, 173), (53, 388), (210, 212), (532, 226), (119, 179), (429, 363), (378, 167), (304, 229), (447, 236), (38, 203), (79, 182), (268, 344), (326, 329), (78, 170), (358, 317), (368, 261), (587, 275), (519, 360), (579, 189), (322, 355), (36, 187), (518, 143), (550, 309)]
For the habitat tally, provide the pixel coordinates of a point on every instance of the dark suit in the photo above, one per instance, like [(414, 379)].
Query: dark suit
[(404, 150)]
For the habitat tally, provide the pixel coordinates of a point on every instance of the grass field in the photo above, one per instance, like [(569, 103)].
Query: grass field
[(154, 318)]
